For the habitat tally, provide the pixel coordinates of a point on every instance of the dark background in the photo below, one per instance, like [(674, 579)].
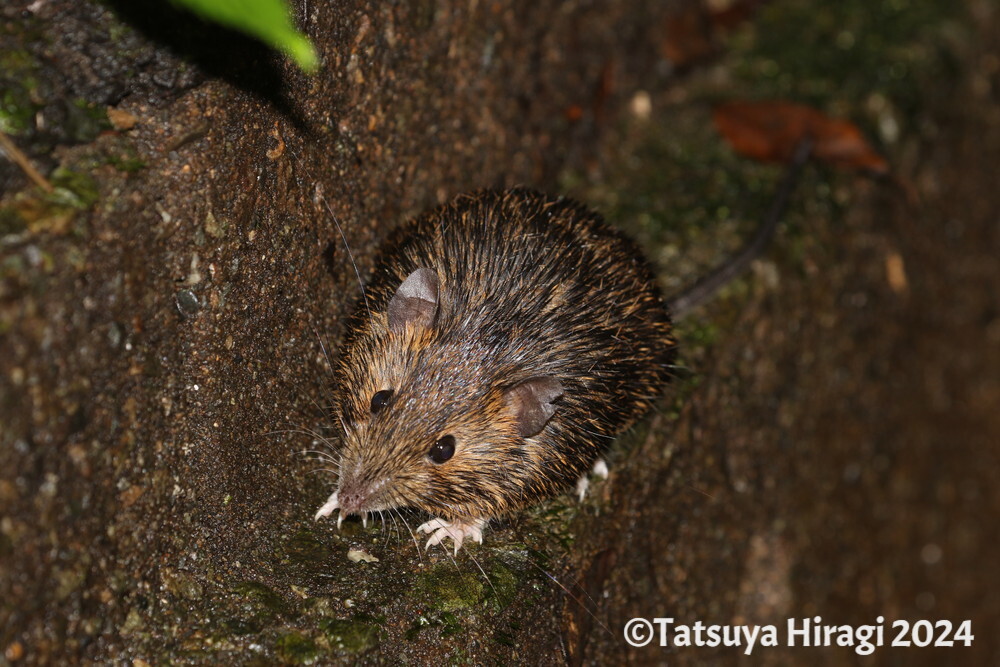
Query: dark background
[(830, 448)]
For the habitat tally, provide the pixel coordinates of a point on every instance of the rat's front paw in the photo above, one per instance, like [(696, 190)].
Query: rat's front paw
[(600, 469), (332, 503), (457, 530)]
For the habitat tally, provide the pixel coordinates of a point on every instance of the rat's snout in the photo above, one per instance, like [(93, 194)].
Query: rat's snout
[(358, 494), (353, 498), (350, 498), (361, 489)]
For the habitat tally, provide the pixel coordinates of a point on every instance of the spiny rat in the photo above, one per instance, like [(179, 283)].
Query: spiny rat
[(504, 340)]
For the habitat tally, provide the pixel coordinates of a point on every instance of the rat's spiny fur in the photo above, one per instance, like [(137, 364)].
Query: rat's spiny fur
[(525, 328)]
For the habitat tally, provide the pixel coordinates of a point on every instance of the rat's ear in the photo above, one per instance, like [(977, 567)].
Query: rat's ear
[(415, 301), (531, 403)]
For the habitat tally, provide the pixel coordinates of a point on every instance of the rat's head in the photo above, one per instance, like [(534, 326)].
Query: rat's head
[(436, 413)]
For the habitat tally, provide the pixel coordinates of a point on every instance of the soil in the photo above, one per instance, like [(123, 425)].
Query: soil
[(168, 310)]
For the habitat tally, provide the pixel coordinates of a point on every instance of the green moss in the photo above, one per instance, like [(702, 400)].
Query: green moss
[(846, 50), (295, 648), (182, 584), (503, 584), (134, 622), (16, 110), (117, 32), (354, 636), (240, 626), (21, 97), (16, 61), (68, 581), (127, 161), (11, 221), (447, 623), (554, 520), (258, 602), (417, 627), (85, 121), (450, 625), (504, 639), (18, 79), (681, 193), (306, 552), (72, 189), (697, 332), (448, 589), (690, 201)]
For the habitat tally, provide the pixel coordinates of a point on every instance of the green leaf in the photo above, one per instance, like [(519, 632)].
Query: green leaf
[(268, 20)]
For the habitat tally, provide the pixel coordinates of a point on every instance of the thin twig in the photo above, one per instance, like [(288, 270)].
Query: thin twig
[(22, 161)]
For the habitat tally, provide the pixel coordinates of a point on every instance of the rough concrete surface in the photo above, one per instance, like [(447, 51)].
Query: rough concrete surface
[(167, 312)]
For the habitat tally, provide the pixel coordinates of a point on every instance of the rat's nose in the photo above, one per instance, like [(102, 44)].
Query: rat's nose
[(352, 497)]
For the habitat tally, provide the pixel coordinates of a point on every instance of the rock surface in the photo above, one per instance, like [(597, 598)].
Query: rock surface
[(166, 315)]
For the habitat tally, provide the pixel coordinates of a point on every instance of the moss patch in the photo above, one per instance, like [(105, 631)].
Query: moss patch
[(448, 589), (843, 52), (18, 99), (296, 648), (351, 635), (259, 602), (74, 189)]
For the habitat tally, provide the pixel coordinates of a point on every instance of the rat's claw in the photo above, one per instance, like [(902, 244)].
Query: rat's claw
[(331, 504), (600, 469), (457, 530)]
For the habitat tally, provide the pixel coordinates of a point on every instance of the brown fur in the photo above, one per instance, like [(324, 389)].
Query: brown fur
[(529, 286)]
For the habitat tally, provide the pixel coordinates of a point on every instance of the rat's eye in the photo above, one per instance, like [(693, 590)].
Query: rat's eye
[(443, 449), (380, 399)]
